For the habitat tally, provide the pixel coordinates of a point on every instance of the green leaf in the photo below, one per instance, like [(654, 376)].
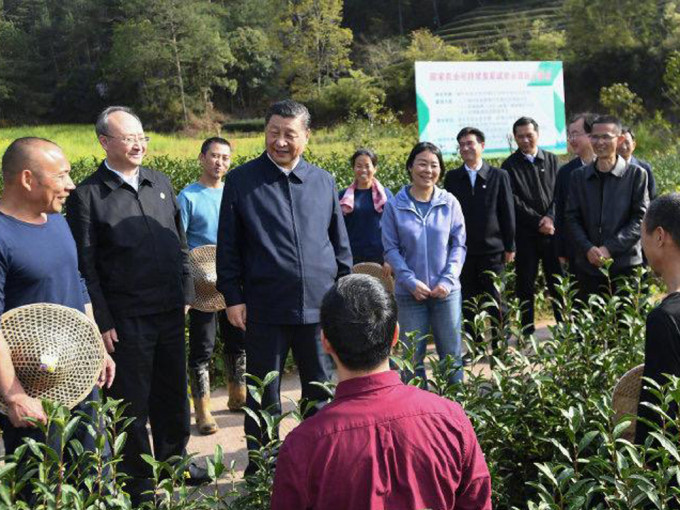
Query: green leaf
[(667, 444)]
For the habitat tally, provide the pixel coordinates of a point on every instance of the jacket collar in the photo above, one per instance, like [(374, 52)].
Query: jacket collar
[(619, 168), (367, 383), (114, 182), (300, 171), (403, 201), (483, 172)]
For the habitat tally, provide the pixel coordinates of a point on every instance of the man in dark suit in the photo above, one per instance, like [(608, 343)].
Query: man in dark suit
[(133, 255), (281, 244), (579, 143), (485, 195), (626, 148), (533, 172)]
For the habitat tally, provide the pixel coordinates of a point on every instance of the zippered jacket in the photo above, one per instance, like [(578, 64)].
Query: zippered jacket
[(430, 249), (609, 217)]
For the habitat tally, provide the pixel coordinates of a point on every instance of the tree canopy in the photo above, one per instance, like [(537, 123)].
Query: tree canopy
[(182, 61)]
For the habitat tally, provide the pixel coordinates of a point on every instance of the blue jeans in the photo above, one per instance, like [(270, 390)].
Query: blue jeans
[(442, 318)]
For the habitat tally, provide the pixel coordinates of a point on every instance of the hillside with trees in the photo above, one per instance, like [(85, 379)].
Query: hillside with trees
[(194, 63)]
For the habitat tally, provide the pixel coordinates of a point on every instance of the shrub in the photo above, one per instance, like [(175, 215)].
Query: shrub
[(541, 411)]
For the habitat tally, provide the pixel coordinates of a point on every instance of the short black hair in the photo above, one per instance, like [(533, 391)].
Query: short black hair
[(608, 119), (19, 156), (359, 318), (422, 147), (364, 152), (664, 212), (587, 120), (471, 131), (628, 130), (289, 109), (213, 139), (524, 121)]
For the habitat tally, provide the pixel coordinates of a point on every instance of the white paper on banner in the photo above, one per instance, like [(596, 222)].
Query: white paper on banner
[(490, 96)]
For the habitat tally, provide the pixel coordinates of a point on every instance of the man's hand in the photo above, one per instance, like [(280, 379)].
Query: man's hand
[(110, 337), (509, 257), (421, 292), (439, 292), (22, 406), (595, 256), (108, 373), (546, 226), (387, 270), (605, 252), (237, 316)]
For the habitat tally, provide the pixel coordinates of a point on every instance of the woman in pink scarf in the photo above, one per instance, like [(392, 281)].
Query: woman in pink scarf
[(362, 206)]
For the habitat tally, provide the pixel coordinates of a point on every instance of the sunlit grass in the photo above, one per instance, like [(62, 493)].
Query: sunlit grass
[(79, 141)]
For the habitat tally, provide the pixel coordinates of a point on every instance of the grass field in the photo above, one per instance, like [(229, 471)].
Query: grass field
[(79, 141)]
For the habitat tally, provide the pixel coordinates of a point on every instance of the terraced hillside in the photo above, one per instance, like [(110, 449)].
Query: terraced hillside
[(483, 26)]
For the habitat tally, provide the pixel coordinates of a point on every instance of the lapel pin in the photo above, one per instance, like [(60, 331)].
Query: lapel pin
[(162, 195), (484, 186)]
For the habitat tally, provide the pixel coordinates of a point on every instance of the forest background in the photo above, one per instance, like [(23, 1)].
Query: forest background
[(201, 65)]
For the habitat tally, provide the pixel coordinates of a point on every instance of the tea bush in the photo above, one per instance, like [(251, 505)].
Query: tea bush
[(541, 411)]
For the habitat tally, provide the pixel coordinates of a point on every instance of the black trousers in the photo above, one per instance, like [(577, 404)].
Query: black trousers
[(530, 251), (267, 346), (151, 377), (476, 282), (203, 327), (589, 284)]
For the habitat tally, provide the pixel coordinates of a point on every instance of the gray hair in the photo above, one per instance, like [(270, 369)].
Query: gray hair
[(101, 127), (289, 109)]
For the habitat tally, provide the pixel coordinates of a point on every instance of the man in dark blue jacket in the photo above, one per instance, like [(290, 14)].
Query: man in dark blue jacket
[(281, 244), (578, 131), (626, 148), (485, 195)]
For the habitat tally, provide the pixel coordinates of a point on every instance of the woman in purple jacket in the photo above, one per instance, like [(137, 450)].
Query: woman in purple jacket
[(423, 232)]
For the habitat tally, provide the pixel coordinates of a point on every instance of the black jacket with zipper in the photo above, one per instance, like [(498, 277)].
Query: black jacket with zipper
[(611, 217), (132, 250)]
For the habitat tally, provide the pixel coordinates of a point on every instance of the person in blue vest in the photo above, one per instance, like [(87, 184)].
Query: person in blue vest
[(200, 210), (281, 244), (362, 206)]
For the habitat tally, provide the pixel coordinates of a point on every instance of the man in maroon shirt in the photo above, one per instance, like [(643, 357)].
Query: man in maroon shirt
[(379, 444)]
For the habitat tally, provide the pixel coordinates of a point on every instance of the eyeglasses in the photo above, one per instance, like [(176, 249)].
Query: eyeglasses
[(130, 140), (604, 138), (571, 136)]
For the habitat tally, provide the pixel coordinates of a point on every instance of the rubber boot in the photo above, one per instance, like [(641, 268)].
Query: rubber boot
[(200, 393), (236, 369)]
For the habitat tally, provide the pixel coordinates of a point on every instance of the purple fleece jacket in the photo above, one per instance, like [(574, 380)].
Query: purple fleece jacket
[(430, 249)]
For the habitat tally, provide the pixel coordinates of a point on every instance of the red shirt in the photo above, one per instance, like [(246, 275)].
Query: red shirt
[(383, 445)]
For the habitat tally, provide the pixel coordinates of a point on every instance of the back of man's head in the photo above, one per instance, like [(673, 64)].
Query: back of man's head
[(664, 212), (359, 319), (24, 154)]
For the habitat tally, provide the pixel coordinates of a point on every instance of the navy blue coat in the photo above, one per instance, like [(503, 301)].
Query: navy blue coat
[(281, 241)]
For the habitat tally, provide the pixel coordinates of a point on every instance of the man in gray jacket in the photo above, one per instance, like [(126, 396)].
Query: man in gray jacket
[(607, 201)]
